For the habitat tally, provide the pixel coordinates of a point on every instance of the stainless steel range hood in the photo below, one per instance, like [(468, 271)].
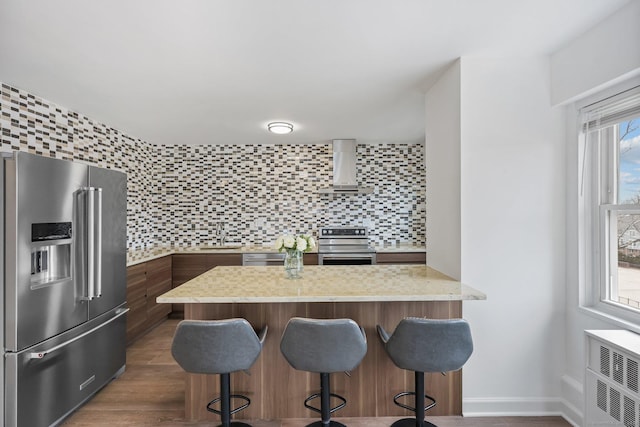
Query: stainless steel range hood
[(344, 169)]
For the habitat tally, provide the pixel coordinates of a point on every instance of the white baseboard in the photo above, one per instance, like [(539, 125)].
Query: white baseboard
[(511, 406), (573, 400), (571, 414), (569, 407)]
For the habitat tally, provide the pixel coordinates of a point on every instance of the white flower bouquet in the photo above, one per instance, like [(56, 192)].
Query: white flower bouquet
[(290, 242)]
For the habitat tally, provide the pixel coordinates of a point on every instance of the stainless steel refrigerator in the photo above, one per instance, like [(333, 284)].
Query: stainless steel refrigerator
[(64, 272)]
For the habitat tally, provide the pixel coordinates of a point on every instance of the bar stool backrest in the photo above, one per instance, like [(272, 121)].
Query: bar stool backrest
[(323, 345), (430, 345), (215, 346)]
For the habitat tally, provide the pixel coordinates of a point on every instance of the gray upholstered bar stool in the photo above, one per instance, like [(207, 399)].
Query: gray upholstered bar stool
[(218, 347), (426, 345), (323, 346)]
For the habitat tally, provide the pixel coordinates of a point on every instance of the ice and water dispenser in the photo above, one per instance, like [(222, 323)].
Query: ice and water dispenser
[(50, 253)]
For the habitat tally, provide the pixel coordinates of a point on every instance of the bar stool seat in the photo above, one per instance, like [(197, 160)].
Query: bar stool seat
[(323, 346), (218, 347), (426, 345)]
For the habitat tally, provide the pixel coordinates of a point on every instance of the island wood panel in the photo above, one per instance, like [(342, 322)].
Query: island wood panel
[(361, 385), (250, 385), (277, 390), (282, 386)]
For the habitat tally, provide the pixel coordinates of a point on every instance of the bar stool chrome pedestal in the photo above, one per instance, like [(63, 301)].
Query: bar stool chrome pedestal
[(426, 345), (218, 347)]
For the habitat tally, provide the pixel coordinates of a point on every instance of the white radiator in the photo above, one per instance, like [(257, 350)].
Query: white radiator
[(611, 378)]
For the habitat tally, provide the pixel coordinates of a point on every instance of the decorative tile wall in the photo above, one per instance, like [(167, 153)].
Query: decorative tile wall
[(29, 123), (261, 191), (177, 194)]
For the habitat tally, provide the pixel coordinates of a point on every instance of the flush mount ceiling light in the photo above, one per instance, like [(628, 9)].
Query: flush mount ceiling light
[(280, 127)]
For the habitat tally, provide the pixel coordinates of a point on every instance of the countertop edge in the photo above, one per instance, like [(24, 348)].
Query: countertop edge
[(277, 300), (384, 283)]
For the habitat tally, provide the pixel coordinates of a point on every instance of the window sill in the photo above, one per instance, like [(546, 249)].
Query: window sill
[(618, 321)]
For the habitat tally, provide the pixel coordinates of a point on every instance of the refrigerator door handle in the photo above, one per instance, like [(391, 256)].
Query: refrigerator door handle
[(94, 242), (97, 237), (42, 354)]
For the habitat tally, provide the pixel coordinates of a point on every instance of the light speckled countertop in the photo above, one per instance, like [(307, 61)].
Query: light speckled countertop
[(143, 255), (353, 283)]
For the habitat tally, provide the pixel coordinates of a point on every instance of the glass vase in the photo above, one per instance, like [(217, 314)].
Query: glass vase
[(293, 264)]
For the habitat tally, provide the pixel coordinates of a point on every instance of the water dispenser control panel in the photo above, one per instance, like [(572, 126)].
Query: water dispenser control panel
[(50, 253)]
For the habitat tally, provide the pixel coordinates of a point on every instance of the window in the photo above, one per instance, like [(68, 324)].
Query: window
[(611, 193)]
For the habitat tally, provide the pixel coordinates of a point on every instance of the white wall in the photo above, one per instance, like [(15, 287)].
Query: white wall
[(442, 126), (513, 245), (606, 54), (509, 176), (511, 189)]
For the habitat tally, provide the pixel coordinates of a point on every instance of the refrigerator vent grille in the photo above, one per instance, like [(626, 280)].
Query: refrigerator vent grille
[(611, 382)]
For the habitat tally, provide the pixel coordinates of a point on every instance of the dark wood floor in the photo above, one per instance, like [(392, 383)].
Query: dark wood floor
[(151, 393)]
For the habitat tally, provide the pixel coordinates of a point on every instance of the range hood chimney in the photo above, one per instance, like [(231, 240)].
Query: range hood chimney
[(344, 169)]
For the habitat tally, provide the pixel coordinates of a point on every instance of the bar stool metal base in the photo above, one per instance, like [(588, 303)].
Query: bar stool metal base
[(418, 420), (411, 422), (235, 424), (331, 424), (225, 410), (325, 409)]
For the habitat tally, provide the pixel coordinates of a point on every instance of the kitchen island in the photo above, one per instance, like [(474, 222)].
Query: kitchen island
[(368, 294)]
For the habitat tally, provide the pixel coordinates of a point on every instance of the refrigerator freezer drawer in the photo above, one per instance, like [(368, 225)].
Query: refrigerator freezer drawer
[(45, 383)]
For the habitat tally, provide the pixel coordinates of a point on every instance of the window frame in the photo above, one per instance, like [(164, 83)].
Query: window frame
[(599, 170)]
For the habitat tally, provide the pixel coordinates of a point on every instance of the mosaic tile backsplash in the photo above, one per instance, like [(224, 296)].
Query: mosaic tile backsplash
[(261, 191), (29, 123), (178, 194)]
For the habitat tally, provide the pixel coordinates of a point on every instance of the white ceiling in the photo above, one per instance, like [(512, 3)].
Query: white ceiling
[(217, 71)]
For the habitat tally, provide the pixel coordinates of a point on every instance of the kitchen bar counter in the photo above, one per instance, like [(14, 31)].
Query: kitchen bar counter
[(369, 294), (143, 255), (137, 256), (352, 283)]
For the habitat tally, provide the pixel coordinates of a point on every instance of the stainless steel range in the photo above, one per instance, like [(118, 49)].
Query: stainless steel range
[(345, 246)]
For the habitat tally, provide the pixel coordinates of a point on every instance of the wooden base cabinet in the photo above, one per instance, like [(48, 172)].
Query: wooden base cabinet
[(145, 282), (310, 258), (188, 266), (401, 258)]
